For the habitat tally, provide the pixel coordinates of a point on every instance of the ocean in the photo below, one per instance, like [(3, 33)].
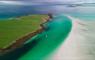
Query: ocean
[(86, 12), (79, 44)]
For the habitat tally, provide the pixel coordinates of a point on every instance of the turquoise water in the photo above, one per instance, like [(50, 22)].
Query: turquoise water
[(84, 16), (43, 44), (84, 13), (49, 40)]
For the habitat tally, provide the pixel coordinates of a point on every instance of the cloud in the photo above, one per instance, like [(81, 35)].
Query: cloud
[(31, 2), (19, 3), (11, 2), (39, 2)]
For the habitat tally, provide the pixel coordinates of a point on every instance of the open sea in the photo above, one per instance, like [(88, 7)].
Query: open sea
[(85, 13)]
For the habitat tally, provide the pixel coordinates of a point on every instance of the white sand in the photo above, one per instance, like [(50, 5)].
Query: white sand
[(80, 44)]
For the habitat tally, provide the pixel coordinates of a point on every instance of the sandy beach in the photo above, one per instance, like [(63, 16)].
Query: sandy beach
[(80, 44)]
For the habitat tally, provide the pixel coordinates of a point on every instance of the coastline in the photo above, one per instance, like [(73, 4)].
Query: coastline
[(56, 35), (61, 27), (61, 53), (19, 42), (80, 44)]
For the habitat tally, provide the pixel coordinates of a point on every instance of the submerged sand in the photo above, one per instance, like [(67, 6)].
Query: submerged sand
[(80, 44)]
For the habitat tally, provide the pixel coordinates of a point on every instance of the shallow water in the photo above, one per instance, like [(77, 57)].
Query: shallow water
[(45, 43), (80, 44)]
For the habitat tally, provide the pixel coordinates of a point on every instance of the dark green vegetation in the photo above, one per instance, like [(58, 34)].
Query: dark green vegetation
[(41, 46), (15, 28), (44, 44)]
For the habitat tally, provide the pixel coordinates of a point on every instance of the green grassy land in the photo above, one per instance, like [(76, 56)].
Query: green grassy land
[(15, 28)]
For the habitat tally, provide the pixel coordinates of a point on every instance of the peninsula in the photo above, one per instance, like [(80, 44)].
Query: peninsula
[(15, 31)]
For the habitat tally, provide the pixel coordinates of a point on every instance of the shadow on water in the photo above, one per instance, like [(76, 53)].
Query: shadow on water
[(44, 44), (14, 55)]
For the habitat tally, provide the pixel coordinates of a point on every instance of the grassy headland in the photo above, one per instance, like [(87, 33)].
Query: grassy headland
[(15, 28)]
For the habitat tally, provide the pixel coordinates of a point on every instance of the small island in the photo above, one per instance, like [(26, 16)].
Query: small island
[(14, 32)]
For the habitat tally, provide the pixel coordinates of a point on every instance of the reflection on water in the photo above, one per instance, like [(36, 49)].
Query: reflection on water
[(14, 55)]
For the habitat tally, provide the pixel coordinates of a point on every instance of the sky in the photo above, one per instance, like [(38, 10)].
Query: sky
[(32, 2), (53, 0)]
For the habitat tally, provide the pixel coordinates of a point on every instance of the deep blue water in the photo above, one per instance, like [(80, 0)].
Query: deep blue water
[(85, 12)]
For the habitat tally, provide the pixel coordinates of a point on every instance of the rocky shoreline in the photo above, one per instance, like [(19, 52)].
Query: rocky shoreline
[(19, 42)]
